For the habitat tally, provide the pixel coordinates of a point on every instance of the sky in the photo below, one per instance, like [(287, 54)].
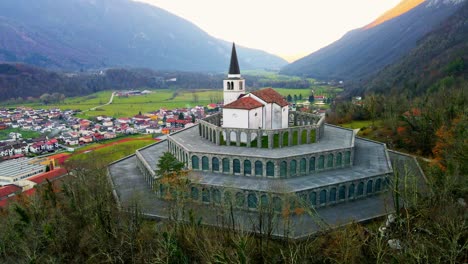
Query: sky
[(290, 29)]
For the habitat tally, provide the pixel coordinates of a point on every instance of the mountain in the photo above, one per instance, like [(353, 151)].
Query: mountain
[(364, 51), (93, 34), (440, 60)]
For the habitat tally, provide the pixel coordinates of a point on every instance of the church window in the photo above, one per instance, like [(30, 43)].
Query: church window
[(323, 196), (226, 168), (351, 191), (236, 166), (205, 195), (240, 199), (378, 185), (252, 201), (241, 85), (194, 193), (333, 194), (270, 169), (342, 193), (369, 187), (330, 161), (313, 198), (247, 167), (338, 159), (312, 164), (258, 168), (256, 114), (195, 165), (283, 169), (302, 166), (360, 189), (215, 164), (216, 196), (205, 165), (228, 85), (321, 162), (292, 168), (277, 204), (232, 85)]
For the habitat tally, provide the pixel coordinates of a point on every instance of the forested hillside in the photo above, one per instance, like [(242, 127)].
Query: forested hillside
[(88, 34), (367, 50)]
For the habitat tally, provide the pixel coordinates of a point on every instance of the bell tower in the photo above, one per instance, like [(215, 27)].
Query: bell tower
[(234, 85)]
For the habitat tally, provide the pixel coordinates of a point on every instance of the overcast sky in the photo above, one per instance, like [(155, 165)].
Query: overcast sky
[(290, 29)]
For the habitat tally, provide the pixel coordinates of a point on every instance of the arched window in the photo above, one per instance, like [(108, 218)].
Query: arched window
[(194, 193), (247, 167), (227, 198), (313, 198), (232, 85), (226, 168), (283, 169), (214, 136), (339, 159), (252, 201), (333, 194), (241, 85), (302, 166), (295, 138), (347, 157), (292, 169), (216, 196), (285, 139), (228, 85), (330, 161), (236, 166), (360, 189), (369, 187), (351, 191), (205, 195), (304, 137), (270, 169), (215, 164), (277, 204), (240, 199), (342, 193), (258, 168), (195, 165), (312, 164), (378, 185), (205, 165), (321, 162), (264, 201), (323, 196)]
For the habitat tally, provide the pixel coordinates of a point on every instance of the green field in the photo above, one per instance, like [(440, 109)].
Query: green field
[(24, 133), (112, 153)]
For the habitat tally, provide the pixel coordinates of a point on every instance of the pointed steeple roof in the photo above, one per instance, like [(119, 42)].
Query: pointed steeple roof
[(234, 66)]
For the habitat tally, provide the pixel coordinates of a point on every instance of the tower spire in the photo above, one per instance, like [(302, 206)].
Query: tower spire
[(234, 66)]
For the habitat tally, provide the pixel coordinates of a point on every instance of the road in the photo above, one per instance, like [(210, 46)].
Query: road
[(108, 103)]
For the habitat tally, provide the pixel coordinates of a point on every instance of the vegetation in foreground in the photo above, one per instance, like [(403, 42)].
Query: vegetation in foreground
[(4, 134), (77, 220)]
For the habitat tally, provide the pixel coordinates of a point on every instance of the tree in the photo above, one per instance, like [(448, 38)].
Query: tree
[(168, 164), (295, 98), (311, 98), (300, 97), (181, 116), (289, 98)]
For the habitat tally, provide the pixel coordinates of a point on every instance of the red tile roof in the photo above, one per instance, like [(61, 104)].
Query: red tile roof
[(269, 95), (247, 103), (9, 189)]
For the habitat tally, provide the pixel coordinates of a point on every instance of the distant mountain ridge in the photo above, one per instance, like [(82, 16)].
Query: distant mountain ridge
[(363, 52), (93, 34), (439, 61)]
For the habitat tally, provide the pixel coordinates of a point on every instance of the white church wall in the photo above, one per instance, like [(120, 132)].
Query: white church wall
[(277, 116), (256, 118), (284, 119), (235, 118)]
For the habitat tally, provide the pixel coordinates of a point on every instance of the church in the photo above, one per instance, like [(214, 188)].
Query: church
[(257, 158), (265, 108)]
